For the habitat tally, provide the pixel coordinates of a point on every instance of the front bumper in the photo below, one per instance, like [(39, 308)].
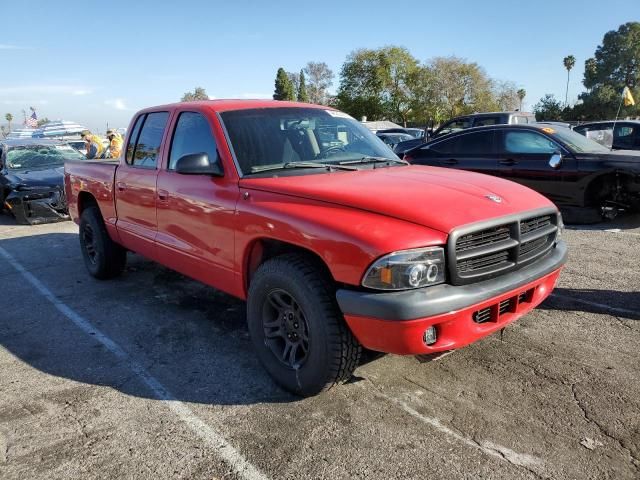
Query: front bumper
[(395, 322), (32, 207)]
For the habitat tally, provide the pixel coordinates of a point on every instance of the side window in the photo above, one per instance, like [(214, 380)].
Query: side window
[(603, 134), (148, 145), (455, 125), (133, 138), (480, 122), (623, 136), (192, 135), (478, 143), (527, 142)]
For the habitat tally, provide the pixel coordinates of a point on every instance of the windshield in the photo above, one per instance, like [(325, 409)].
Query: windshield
[(578, 143), (34, 157), (265, 137)]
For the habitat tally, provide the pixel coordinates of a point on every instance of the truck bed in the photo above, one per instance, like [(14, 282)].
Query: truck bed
[(95, 176)]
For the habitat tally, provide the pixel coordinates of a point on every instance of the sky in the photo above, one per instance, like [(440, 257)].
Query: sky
[(97, 62)]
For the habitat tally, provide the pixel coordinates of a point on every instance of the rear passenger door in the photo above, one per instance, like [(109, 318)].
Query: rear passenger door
[(135, 183), (473, 151)]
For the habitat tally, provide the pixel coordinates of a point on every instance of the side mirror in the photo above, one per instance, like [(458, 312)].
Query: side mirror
[(198, 164), (556, 160)]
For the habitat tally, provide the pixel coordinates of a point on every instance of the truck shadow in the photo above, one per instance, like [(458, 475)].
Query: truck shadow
[(191, 338), (609, 302)]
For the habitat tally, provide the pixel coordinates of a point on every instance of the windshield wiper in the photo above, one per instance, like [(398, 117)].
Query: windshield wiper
[(288, 165), (368, 159)]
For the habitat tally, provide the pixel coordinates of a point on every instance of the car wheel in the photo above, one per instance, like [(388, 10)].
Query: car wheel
[(102, 256), (297, 328)]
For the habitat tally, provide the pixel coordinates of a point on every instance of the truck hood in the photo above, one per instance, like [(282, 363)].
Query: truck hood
[(437, 198)]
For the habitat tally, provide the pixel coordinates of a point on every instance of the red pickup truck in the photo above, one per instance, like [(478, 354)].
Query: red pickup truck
[(335, 243)]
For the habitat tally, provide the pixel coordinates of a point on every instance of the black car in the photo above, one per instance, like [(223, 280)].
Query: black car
[(625, 135), (568, 168), (32, 179)]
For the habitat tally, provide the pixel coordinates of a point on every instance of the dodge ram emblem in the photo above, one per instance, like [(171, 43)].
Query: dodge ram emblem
[(494, 198)]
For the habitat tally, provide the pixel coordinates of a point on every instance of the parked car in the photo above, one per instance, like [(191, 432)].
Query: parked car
[(483, 119), (625, 136), (392, 139), (335, 243), (31, 179), (414, 132), (571, 170)]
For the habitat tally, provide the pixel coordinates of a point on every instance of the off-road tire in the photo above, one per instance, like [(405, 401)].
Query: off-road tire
[(103, 257), (333, 352)]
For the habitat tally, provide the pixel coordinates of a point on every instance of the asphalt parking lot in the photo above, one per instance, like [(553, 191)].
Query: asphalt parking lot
[(152, 376)]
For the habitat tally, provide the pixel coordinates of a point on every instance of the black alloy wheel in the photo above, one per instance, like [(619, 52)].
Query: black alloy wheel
[(285, 329)]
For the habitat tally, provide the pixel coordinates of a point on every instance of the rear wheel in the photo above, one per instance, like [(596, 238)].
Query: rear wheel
[(102, 256), (297, 328)]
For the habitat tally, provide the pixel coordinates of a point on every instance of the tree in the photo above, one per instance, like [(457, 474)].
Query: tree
[(505, 95), (42, 121), (9, 119), (303, 96), (294, 78), (319, 78), (283, 87), (548, 108), (521, 94), (361, 85), (616, 64), (198, 94), (569, 61)]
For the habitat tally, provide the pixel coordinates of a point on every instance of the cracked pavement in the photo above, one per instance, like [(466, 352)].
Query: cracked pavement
[(556, 396)]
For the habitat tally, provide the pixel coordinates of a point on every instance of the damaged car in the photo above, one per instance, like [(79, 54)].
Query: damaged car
[(31, 179)]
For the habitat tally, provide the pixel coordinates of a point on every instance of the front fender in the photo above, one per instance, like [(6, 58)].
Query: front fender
[(348, 240)]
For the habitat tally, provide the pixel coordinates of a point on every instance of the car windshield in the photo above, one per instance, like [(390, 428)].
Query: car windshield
[(396, 137), (269, 138), (35, 157), (578, 143)]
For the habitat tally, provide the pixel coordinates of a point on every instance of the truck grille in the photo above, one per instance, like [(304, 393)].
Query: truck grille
[(478, 253)]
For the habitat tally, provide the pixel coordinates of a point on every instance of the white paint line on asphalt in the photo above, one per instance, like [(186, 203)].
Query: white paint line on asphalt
[(227, 452), (603, 306), (499, 451)]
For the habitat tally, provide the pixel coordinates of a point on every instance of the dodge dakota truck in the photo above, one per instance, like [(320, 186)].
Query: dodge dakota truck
[(335, 244)]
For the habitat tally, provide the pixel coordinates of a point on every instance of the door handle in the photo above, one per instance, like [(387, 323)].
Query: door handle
[(163, 195), (121, 186), (508, 162), (451, 161)]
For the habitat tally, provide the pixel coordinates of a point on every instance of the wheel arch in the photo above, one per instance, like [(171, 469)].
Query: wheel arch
[(262, 249), (612, 182)]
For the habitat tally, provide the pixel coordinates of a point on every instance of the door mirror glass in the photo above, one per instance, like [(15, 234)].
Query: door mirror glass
[(556, 160), (198, 164)]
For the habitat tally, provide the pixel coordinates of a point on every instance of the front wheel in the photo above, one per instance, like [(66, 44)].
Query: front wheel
[(297, 328), (102, 256)]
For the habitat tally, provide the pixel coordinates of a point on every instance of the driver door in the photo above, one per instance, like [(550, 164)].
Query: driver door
[(524, 157)]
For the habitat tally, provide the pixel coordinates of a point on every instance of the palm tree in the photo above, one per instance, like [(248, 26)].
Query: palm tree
[(569, 61), (521, 94), (9, 118)]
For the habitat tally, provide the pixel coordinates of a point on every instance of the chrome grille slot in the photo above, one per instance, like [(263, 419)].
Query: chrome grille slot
[(482, 238), (505, 306), (536, 223), (531, 246), (482, 316), (483, 262)]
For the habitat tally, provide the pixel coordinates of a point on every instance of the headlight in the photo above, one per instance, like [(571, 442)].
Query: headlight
[(406, 269)]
